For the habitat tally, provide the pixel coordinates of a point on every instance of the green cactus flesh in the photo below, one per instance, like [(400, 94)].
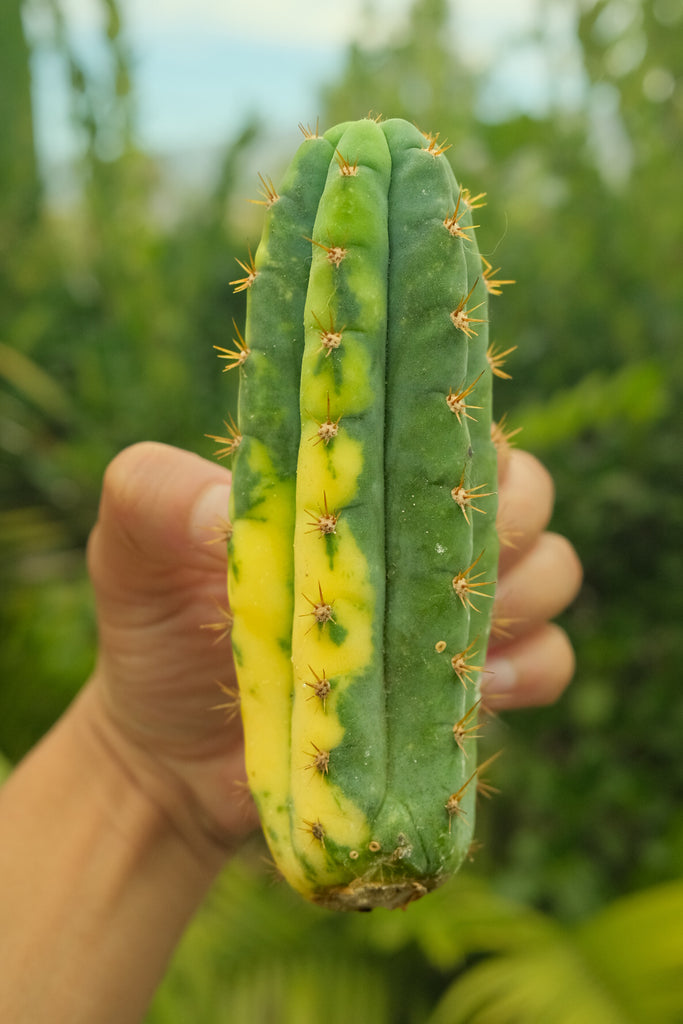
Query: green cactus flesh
[(363, 549)]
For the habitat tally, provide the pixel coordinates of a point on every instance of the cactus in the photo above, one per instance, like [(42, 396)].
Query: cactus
[(362, 548)]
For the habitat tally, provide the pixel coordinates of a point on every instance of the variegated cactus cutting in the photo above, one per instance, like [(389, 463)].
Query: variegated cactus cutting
[(363, 549)]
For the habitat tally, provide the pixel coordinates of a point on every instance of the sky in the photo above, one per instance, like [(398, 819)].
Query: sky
[(201, 67)]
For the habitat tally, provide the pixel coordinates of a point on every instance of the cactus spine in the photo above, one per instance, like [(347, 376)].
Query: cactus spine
[(363, 549)]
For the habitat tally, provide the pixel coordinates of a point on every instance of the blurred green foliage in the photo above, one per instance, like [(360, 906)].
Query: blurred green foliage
[(465, 955), (109, 308), (108, 315)]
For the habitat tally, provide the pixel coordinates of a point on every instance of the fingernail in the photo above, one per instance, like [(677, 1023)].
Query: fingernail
[(500, 676), (210, 512)]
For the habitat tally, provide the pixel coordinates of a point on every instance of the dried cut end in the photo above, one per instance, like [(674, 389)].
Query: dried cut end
[(369, 895)]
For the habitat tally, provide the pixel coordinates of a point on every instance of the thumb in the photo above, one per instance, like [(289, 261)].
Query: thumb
[(158, 585), (159, 507)]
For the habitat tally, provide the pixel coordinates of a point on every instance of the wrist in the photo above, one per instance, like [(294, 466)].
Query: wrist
[(155, 781), (97, 886)]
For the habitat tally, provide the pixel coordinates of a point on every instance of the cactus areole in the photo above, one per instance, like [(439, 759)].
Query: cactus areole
[(362, 547)]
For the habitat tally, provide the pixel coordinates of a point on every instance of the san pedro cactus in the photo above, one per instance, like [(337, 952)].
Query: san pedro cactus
[(363, 549)]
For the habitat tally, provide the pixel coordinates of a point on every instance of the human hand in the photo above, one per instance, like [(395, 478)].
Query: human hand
[(137, 795), (157, 561), (159, 580), (530, 659)]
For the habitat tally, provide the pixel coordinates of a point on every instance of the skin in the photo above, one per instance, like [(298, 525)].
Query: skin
[(115, 826), (539, 576)]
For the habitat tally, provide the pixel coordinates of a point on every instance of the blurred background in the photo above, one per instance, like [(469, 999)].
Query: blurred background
[(131, 140)]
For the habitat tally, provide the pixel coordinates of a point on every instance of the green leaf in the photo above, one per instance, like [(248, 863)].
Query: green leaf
[(624, 966), (547, 983), (464, 918), (636, 395), (635, 946), (34, 384), (258, 953)]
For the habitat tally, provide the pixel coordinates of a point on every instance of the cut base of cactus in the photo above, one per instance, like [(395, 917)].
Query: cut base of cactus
[(362, 895)]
